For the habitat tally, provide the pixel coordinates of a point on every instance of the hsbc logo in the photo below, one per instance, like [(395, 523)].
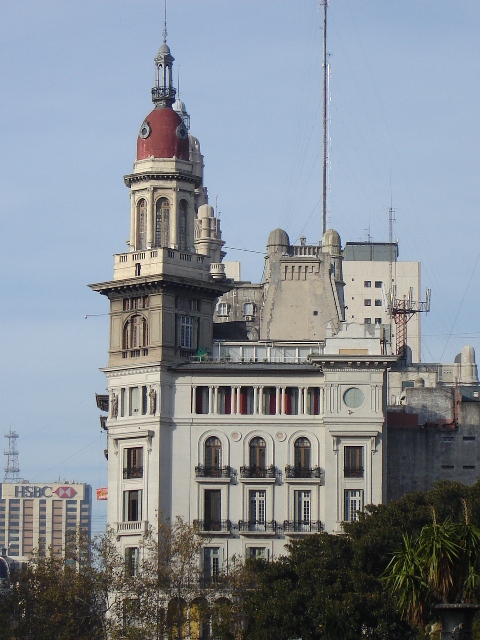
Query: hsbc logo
[(65, 492), (28, 491)]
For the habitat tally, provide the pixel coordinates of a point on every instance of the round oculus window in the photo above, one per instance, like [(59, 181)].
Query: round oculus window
[(145, 130), (353, 398), (182, 132)]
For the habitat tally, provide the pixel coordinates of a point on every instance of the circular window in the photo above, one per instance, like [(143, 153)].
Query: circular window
[(353, 398), (145, 130)]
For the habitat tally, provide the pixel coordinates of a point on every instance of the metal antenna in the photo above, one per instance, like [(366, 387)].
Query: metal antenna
[(325, 117), (12, 469), (165, 24)]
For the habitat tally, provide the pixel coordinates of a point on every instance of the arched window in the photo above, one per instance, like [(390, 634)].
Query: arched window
[(302, 455), (182, 225), (162, 223), (258, 449), (135, 332), (141, 223), (213, 456)]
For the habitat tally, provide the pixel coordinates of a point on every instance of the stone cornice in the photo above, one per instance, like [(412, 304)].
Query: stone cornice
[(146, 176), (213, 288)]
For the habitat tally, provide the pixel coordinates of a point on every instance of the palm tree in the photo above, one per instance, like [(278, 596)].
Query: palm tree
[(440, 566)]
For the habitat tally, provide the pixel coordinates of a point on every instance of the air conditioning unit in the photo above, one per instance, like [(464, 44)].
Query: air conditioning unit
[(248, 318)]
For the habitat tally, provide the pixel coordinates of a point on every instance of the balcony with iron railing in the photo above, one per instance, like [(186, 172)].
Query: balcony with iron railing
[(257, 527), (203, 471), (296, 471), (254, 472), (302, 526), (353, 472), (213, 526), (132, 472)]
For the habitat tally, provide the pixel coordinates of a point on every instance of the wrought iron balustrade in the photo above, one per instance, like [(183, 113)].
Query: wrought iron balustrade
[(202, 471), (302, 472), (257, 525), (132, 472), (302, 526), (212, 525), (353, 472), (259, 472)]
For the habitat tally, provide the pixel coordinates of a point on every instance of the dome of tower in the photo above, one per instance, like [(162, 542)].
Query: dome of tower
[(278, 238), (331, 239), (163, 135)]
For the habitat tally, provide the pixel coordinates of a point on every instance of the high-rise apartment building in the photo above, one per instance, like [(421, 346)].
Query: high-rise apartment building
[(35, 516)]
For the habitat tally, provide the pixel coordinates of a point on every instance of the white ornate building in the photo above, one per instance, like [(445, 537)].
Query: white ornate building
[(258, 429)]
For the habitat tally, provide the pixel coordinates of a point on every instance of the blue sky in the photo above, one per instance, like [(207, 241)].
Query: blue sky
[(76, 81)]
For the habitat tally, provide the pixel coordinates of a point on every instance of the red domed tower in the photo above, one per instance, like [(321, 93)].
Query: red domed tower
[(167, 181)]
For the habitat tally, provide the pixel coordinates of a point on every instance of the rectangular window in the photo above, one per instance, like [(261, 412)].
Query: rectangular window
[(256, 553), (367, 302), (269, 402), (378, 284), (134, 408), (211, 563), (224, 400), (367, 283), (245, 401), (132, 506), (201, 400), (249, 309), (186, 332), (378, 303), (353, 462), (131, 561), (313, 401), (212, 510), (378, 321), (133, 462), (222, 309), (123, 402), (257, 511), (367, 321), (353, 504), (302, 510), (144, 401), (291, 400)]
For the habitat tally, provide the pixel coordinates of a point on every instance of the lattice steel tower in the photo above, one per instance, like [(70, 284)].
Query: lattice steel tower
[(12, 469)]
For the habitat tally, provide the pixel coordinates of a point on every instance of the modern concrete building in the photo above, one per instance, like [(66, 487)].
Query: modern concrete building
[(35, 516), (371, 271)]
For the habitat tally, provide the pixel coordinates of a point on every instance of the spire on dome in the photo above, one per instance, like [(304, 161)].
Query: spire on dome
[(179, 106), (163, 93)]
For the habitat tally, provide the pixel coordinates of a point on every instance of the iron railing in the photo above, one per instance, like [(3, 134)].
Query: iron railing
[(203, 526), (132, 472), (302, 526), (257, 525), (201, 471), (302, 472), (259, 472)]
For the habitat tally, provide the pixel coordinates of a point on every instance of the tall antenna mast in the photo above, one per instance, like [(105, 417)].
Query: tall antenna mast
[(165, 22), (12, 470), (325, 117)]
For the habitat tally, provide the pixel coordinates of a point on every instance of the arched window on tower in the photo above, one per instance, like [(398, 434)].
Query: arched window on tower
[(162, 223), (141, 224), (135, 332), (182, 225), (213, 457)]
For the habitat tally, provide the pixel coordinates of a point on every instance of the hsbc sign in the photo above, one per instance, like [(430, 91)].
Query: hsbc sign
[(46, 491)]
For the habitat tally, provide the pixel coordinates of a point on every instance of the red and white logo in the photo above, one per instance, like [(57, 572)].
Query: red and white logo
[(65, 492)]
